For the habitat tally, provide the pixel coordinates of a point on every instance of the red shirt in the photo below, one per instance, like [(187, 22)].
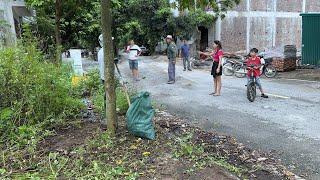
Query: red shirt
[(216, 55), (256, 61)]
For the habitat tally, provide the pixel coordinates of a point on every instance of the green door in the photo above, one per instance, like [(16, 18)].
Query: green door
[(311, 38)]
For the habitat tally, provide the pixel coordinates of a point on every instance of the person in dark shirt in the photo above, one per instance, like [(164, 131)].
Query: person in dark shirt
[(185, 55)]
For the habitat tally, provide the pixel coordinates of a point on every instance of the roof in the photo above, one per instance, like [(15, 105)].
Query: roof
[(310, 14)]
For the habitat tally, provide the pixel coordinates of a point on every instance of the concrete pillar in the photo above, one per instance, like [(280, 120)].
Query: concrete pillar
[(217, 35), (211, 34), (248, 27), (10, 35), (304, 6), (274, 22)]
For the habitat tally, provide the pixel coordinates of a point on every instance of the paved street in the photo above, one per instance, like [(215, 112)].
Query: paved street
[(288, 123)]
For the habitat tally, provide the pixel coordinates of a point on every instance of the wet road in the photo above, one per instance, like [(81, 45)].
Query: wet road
[(288, 123)]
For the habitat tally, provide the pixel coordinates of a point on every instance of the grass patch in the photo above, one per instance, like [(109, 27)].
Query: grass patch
[(199, 159)]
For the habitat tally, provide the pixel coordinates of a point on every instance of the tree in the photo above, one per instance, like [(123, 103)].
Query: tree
[(38, 4), (60, 25), (57, 30), (218, 6), (106, 22)]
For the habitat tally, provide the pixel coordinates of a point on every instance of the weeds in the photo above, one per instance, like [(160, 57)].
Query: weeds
[(34, 94), (199, 158)]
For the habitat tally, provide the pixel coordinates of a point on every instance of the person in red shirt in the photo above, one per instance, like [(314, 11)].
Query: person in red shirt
[(216, 70), (256, 62)]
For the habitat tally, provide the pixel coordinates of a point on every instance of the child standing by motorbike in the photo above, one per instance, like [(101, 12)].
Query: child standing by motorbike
[(255, 61)]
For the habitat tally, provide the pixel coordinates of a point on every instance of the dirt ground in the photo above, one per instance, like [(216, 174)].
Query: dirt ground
[(158, 159), (161, 162), (302, 74)]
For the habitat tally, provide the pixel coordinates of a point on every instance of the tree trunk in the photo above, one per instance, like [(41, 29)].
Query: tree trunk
[(106, 22), (57, 31)]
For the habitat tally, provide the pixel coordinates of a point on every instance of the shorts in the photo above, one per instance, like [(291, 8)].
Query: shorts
[(258, 82), (214, 69), (133, 64)]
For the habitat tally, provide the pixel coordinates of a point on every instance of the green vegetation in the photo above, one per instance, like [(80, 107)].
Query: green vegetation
[(145, 21), (34, 94), (83, 162), (37, 97), (196, 155)]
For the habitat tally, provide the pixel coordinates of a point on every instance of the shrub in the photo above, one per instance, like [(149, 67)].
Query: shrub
[(32, 91), (89, 85), (98, 101)]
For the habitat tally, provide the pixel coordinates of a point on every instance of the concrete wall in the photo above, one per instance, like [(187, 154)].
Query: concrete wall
[(7, 30), (264, 24), (10, 9), (233, 33)]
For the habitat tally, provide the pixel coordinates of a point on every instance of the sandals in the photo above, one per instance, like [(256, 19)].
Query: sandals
[(214, 94)]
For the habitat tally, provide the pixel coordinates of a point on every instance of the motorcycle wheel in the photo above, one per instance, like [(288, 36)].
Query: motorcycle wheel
[(193, 66), (270, 71), (240, 72), (228, 69), (251, 91)]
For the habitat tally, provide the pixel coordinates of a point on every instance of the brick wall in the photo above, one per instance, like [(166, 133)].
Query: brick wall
[(242, 6), (260, 33), (289, 6), (267, 28), (312, 6), (262, 5), (233, 34), (288, 32)]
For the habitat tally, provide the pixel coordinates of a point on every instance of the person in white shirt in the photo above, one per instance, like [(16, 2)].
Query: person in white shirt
[(134, 52)]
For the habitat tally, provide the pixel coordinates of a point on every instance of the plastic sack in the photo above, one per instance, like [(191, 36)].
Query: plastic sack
[(139, 116)]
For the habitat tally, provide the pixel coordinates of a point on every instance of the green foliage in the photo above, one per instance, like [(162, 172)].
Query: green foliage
[(79, 23), (104, 140), (89, 85), (33, 93), (141, 20), (145, 21), (98, 101), (219, 7), (195, 153), (83, 162), (122, 103), (148, 21), (185, 24), (187, 149)]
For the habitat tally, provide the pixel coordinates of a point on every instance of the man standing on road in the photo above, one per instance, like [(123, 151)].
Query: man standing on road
[(185, 55), (171, 53), (134, 52)]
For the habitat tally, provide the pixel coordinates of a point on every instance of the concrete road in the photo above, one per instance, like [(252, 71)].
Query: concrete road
[(288, 123)]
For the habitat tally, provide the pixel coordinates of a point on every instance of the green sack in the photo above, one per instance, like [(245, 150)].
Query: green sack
[(139, 116)]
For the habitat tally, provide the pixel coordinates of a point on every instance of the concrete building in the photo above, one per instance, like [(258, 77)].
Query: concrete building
[(11, 14), (263, 24)]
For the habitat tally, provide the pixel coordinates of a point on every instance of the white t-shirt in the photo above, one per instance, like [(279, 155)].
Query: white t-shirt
[(133, 52), (101, 63)]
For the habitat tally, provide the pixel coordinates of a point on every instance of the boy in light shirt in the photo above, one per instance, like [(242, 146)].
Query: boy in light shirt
[(134, 52)]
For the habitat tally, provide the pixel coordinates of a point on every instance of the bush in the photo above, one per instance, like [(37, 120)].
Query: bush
[(96, 89), (32, 91), (89, 85), (98, 101)]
